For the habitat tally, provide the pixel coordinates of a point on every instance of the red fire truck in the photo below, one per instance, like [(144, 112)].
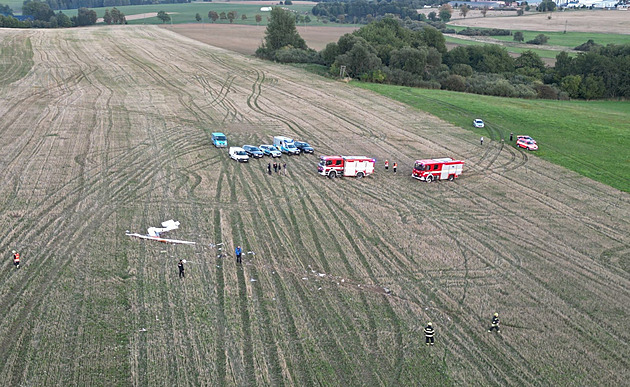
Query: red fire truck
[(437, 169), (333, 166)]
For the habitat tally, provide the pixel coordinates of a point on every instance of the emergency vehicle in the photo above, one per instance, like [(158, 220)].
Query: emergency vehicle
[(333, 166), (437, 169)]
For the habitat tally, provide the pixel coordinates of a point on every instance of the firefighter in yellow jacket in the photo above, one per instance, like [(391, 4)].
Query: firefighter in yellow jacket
[(429, 332)]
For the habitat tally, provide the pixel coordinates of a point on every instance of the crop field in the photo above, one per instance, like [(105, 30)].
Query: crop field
[(108, 129)]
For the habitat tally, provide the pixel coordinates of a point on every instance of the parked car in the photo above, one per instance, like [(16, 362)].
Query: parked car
[(219, 140), (527, 143), (478, 123), (253, 151), (520, 136), (304, 147), (270, 150), (238, 154)]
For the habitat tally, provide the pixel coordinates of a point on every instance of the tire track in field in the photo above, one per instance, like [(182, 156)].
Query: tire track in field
[(278, 287), (320, 217), (315, 320), (17, 59), (221, 318), (481, 237)]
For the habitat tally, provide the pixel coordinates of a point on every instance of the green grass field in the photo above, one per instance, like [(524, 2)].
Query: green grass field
[(517, 50), (185, 13), (588, 137), (569, 39), (16, 5)]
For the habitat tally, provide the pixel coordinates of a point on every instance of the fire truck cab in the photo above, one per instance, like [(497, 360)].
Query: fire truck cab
[(437, 169), (333, 166)]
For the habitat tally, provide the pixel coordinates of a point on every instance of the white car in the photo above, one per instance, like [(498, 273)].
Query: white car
[(478, 123), (239, 154), (270, 150)]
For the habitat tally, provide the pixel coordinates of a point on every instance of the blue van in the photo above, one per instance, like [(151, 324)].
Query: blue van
[(219, 140)]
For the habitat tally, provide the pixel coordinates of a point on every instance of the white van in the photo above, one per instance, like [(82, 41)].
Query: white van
[(286, 145), (238, 154)]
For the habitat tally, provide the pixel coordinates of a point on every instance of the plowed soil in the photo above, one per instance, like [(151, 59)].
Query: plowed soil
[(246, 39), (108, 129)]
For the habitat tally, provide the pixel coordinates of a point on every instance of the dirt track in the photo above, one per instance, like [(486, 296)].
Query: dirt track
[(110, 131)]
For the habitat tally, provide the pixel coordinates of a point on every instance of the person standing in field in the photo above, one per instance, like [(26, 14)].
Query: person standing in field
[(429, 332), (495, 323), (275, 167), (481, 140), (269, 168), (284, 166), (16, 259), (180, 266), (386, 165), (395, 166), (238, 252)]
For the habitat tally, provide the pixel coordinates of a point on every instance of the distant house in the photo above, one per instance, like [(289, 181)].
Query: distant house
[(265, 9)]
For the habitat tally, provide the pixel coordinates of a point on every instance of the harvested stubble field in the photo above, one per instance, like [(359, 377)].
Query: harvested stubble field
[(108, 129)]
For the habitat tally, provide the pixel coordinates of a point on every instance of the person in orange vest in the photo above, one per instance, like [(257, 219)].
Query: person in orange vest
[(16, 259), (395, 166), (386, 165)]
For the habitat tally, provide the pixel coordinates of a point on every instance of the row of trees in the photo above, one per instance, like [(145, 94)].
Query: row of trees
[(114, 17), (413, 53), (73, 4), (39, 15)]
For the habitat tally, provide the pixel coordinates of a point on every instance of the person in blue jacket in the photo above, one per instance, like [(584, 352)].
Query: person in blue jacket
[(238, 252)]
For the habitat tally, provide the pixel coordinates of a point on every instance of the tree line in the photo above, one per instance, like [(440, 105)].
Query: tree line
[(38, 14), (73, 4), (413, 53)]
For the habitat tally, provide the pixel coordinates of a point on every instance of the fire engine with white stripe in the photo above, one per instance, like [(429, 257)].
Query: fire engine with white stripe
[(333, 166), (437, 169)]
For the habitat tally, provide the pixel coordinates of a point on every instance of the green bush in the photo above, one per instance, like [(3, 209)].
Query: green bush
[(539, 39), (462, 69), (454, 82)]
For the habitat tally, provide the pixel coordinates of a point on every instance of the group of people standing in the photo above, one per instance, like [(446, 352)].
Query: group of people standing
[(277, 168), (429, 331), (394, 167)]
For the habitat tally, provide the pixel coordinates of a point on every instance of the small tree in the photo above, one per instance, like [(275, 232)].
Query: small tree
[(463, 10), (231, 16), (163, 16), (518, 36), (546, 6), (446, 11), (212, 15), (107, 17), (432, 16), (243, 17), (484, 10), (258, 19), (288, 2), (592, 87), (307, 19), (571, 85), (520, 12), (222, 16), (198, 17)]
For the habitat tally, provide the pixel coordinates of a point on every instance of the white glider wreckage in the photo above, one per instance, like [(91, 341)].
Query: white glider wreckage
[(153, 234)]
